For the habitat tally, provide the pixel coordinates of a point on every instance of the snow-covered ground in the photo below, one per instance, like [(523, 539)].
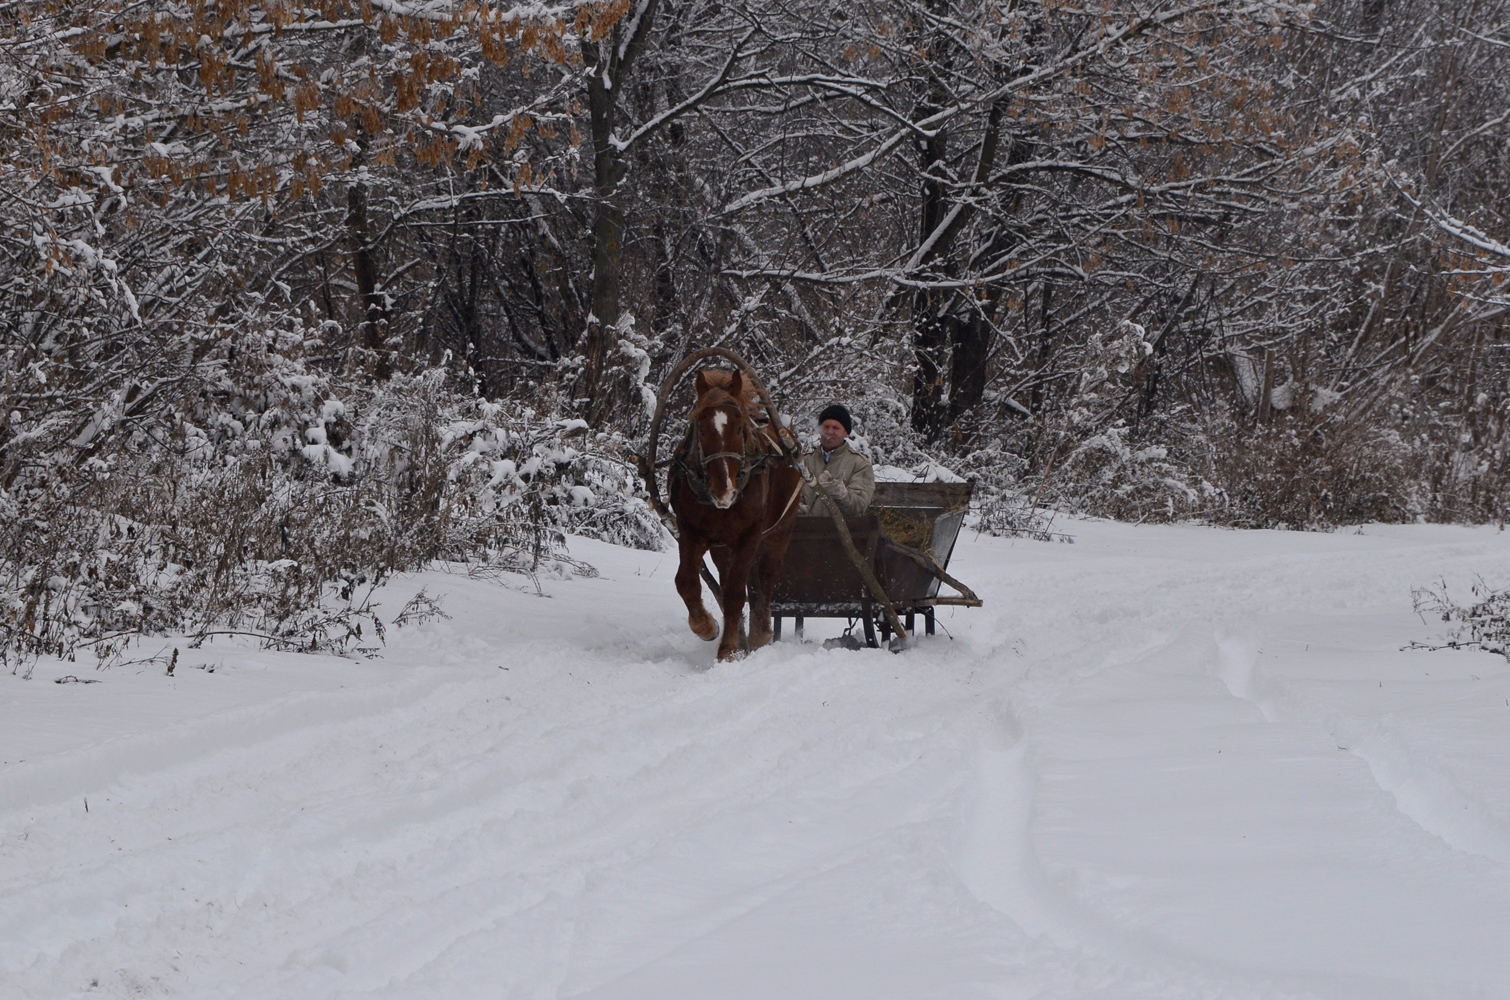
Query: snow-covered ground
[(1164, 762)]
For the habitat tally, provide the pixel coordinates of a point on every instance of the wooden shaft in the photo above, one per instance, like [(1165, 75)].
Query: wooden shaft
[(927, 561), (670, 522)]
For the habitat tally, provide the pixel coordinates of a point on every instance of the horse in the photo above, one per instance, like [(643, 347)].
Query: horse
[(732, 493)]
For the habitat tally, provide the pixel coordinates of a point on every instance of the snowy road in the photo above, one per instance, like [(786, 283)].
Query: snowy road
[(1164, 762)]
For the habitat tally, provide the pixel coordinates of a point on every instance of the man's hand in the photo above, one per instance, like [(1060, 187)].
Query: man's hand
[(831, 486)]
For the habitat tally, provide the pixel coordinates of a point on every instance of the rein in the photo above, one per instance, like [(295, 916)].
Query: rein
[(796, 492)]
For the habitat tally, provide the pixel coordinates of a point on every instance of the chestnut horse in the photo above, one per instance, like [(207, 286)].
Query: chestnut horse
[(733, 494)]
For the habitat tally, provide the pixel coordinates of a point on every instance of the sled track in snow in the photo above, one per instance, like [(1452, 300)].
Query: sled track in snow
[(1097, 789)]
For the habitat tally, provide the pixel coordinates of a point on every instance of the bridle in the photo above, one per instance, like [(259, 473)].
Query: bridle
[(693, 465), (786, 449)]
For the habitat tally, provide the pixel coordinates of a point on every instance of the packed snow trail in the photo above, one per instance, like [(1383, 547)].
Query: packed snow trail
[(1164, 762)]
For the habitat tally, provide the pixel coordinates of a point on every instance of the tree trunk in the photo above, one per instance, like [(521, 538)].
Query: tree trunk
[(1045, 345), (609, 62), (373, 331), (608, 238), (930, 319), (930, 336), (967, 366), (949, 378)]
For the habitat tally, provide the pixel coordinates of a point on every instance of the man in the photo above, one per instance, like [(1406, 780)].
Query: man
[(840, 471)]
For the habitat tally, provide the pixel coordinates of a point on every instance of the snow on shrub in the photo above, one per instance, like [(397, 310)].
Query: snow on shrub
[(268, 499), (1482, 624)]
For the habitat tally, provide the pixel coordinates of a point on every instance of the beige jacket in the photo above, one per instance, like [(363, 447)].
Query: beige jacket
[(851, 470)]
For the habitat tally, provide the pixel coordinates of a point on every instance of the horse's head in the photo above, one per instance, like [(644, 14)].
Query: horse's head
[(721, 430)]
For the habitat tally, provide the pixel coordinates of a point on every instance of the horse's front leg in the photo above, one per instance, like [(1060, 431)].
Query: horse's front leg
[(690, 585), (734, 583)]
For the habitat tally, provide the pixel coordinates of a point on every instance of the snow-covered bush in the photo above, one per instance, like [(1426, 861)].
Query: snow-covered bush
[(522, 478), (1305, 470), (1483, 624), (1108, 476), (268, 498)]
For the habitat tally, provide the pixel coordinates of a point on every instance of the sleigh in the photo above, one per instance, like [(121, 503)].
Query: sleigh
[(873, 569), (906, 538)]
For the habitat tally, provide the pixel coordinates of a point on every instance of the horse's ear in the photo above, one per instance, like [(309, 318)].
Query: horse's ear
[(736, 384), (702, 383)]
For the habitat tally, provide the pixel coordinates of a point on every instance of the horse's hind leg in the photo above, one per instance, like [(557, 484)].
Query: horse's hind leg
[(760, 602), (690, 585), (769, 562)]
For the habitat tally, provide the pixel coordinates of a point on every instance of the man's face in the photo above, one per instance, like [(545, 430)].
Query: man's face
[(831, 434)]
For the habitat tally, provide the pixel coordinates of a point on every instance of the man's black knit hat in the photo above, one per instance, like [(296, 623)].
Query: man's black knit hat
[(836, 411)]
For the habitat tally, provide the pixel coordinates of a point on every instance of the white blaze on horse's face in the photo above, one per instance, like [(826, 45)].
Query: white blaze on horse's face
[(723, 472), (724, 498)]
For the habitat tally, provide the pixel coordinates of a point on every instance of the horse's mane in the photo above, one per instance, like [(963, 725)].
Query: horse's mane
[(715, 384), (716, 393), (716, 397)]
